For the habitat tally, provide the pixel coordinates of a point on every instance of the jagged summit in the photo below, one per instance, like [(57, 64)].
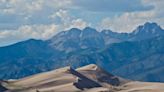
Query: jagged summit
[(89, 28), (148, 27), (146, 31), (152, 24)]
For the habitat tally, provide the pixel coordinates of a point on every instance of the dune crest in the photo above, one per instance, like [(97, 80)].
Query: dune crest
[(90, 78)]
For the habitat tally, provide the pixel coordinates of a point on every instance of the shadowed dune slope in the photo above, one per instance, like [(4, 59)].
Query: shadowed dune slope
[(89, 78)]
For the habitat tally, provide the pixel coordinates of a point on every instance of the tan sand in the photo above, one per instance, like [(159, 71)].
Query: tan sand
[(62, 80)]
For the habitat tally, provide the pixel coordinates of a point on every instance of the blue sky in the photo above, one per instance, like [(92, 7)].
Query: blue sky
[(41, 19)]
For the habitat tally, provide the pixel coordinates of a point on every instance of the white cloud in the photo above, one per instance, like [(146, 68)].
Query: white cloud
[(78, 23), (27, 32), (21, 6), (64, 16), (25, 7), (68, 21), (41, 19), (128, 21), (42, 31)]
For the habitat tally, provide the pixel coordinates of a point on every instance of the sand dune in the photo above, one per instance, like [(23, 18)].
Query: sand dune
[(85, 79)]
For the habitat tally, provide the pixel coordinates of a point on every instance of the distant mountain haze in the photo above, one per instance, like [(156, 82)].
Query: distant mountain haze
[(138, 55)]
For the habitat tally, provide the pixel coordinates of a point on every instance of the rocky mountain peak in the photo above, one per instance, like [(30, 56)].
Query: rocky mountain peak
[(148, 28)]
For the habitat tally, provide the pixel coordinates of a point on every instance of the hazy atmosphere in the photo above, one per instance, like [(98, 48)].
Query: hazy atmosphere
[(41, 19), (81, 45)]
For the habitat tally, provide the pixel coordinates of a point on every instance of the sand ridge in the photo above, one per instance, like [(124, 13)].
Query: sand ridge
[(90, 78)]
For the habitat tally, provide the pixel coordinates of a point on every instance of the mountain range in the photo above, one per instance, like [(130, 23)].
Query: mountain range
[(138, 55)]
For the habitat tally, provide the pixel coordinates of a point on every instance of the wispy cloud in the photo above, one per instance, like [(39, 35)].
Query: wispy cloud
[(40, 19), (128, 21), (26, 32)]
